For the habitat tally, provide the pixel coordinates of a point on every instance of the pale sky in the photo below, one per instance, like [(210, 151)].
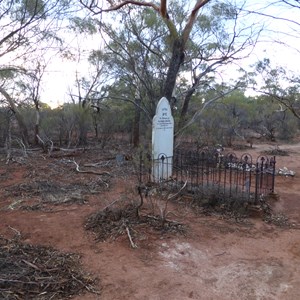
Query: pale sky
[(60, 75)]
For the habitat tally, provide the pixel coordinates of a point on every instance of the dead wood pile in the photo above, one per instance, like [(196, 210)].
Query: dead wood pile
[(36, 272), (113, 222)]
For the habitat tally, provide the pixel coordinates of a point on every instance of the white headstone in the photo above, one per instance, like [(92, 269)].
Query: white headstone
[(162, 141)]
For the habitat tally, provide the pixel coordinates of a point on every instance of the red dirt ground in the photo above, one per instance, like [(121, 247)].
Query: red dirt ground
[(217, 258)]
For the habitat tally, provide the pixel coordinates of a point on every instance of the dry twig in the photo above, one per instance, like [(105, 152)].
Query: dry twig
[(35, 272), (133, 245), (89, 172)]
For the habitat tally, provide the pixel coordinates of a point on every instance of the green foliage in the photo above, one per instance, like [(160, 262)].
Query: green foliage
[(70, 124), (278, 84), (52, 125), (139, 50), (34, 7), (95, 56), (225, 121), (225, 10), (7, 73), (67, 125), (26, 10), (150, 18), (83, 25), (204, 21)]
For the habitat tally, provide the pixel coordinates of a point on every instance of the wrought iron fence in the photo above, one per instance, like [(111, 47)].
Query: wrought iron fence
[(208, 172)]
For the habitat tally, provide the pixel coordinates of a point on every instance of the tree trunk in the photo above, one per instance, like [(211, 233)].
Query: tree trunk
[(37, 125), (185, 107), (83, 125), (136, 123), (175, 63), (18, 116), (22, 127), (8, 141), (95, 123), (82, 135)]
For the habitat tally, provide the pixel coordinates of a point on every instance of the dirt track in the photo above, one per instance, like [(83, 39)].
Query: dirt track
[(217, 258)]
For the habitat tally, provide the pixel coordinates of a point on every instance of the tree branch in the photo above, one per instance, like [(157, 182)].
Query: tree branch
[(199, 112), (163, 8), (190, 23), (283, 101), (272, 17), (120, 5)]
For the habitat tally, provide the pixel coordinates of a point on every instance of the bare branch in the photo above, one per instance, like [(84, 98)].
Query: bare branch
[(293, 5), (272, 17), (163, 8), (178, 193), (91, 6), (133, 245), (190, 23), (283, 101), (89, 172), (199, 112)]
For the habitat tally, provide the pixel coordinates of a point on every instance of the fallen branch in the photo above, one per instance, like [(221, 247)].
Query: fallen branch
[(159, 219), (89, 172), (71, 150), (219, 254), (18, 281), (175, 195), (41, 141), (29, 271), (88, 287), (99, 164), (30, 264), (22, 145), (18, 233), (107, 185), (164, 212), (110, 204), (133, 245)]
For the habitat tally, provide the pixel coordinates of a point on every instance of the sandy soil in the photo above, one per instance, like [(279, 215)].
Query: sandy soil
[(217, 258)]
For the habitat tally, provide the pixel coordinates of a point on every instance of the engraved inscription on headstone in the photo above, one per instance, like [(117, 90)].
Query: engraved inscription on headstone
[(162, 141)]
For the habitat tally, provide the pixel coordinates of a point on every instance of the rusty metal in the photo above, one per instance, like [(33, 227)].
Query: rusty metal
[(228, 174)]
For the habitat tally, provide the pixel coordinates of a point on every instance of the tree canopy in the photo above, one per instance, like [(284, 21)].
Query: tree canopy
[(177, 49)]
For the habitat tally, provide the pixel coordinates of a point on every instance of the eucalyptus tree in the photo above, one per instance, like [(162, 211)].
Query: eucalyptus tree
[(178, 37), (236, 115), (27, 27), (158, 46), (272, 121), (27, 88), (8, 100), (219, 39), (278, 84), (88, 94), (278, 81), (284, 12), (134, 58)]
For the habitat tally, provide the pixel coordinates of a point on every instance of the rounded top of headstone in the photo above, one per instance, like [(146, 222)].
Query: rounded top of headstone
[(163, 103)]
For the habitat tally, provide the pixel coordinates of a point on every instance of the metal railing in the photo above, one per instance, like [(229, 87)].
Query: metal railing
[(207, 172)]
